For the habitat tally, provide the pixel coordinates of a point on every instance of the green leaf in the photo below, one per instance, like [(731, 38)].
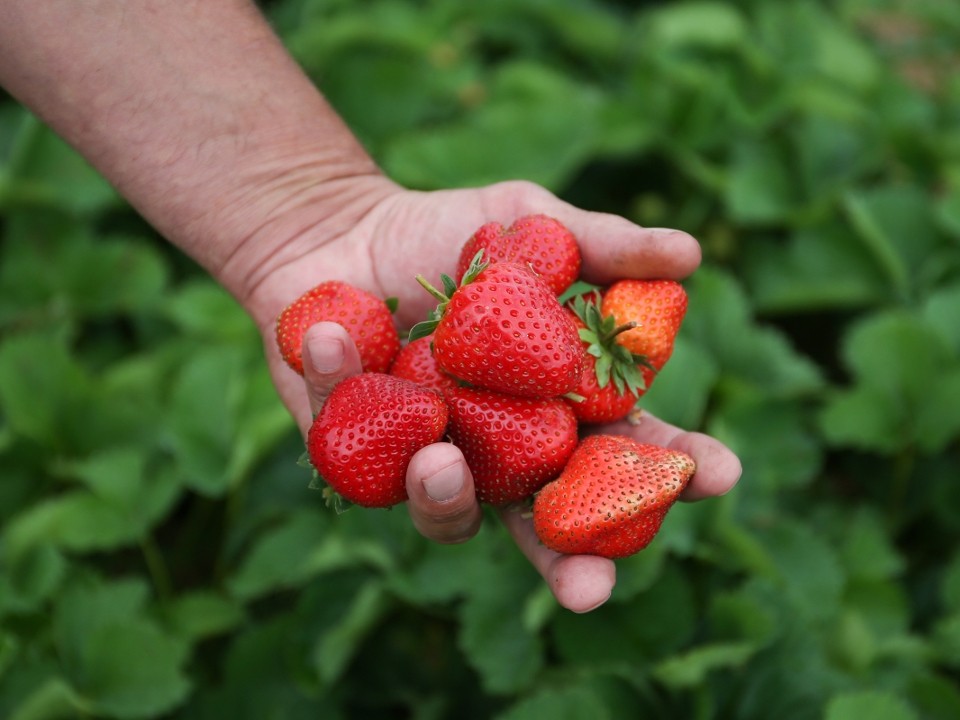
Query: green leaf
[(906, 392), (776, 446), (940, 311), (118, 661), (720, 322), (692, 668), (202, 614), (698, 23), (29, 577), (205, 310), (683, 387), (52, 700), (946, 640), (505, 653), (867, 551), (49, 173), (42, 388), (335, 648), (809, 570), (568, 703), (822, 267), (760, 188), (301, 547), (896, 225), (950, 584), (536, 124), (876, 705)]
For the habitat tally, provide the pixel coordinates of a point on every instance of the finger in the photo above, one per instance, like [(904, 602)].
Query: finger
[(580, 583), (329, 356), (612, 247), (442, 503), (718, 468)]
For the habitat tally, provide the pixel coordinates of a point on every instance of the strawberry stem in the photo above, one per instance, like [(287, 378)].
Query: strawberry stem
[(431, 289), (619, 329)]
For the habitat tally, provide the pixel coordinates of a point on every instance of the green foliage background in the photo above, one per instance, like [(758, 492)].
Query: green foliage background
[(161, 556)]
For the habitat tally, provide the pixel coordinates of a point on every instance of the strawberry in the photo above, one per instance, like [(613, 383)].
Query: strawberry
[(657, 307), (512, 445), (611, 498), (367, 319), (613, 378), (416, 362), (503, 329), (361, 441), (538, 240)]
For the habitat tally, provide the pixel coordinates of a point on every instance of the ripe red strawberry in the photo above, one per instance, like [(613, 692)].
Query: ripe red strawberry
[(367, 319), (611, 498), (544, 243), (415, 362), (657, 307), (512, 445), (504, 330), (361, 441)]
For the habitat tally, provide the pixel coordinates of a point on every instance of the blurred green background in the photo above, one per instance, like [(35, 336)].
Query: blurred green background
[(159, 555)]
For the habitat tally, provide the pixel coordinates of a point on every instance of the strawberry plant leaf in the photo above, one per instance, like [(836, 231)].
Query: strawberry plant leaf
[(874, 704), (576, 291), (117, 661), (691, 669)]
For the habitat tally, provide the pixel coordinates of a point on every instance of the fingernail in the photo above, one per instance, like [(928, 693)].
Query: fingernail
[(326, 354), (445, 484), (663, 233)]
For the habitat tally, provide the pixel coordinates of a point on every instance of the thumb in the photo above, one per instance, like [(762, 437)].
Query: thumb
[(329, 356)]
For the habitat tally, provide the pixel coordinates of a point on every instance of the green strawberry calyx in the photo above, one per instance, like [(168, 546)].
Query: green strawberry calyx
[(331, 498), (422, 329), (614, 362)]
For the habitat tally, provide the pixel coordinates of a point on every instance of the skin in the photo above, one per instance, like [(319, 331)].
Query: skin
[(199, 117)]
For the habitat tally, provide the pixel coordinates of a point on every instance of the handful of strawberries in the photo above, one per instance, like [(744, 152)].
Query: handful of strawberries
[(516, 359)]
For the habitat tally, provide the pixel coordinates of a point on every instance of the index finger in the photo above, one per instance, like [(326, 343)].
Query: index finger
[(612, 248)]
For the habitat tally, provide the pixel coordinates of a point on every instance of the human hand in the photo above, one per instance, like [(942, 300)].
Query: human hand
[(403, 233)]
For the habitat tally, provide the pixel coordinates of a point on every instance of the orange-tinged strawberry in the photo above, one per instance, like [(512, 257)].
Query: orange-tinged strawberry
[(363, 438), (538, 240), (613, 378), (512, 445), (656, 306), (611, 498), (416, 362), (367, 318), (503, 329)]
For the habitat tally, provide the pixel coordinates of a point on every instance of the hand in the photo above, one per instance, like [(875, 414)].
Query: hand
[(404, 233)]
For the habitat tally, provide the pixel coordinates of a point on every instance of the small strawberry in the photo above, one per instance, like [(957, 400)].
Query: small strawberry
[(367, 319), (416, 362), (504, 330), (656, 306), (613, 378), (538, 240), (512, 445), (611, 498), (361, 441)]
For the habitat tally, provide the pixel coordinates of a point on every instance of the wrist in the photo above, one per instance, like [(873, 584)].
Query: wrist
[(299, 228)]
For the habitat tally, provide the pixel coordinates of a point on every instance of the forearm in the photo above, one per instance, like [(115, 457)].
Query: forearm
[(198, 116)]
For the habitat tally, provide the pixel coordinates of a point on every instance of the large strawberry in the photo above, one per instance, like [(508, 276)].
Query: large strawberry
[(367, 319), (538, 240), (657, 307), (416, 362), (611, 498), (503, 329), (361, 441), (613, 378), (512, 445)]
